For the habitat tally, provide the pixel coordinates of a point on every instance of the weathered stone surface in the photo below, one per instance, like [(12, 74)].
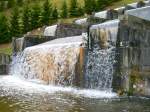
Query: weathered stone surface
[(19, 44), (80, 68), (104, 34), (139, 15), (4, 64), (60, 31), (109, 14), (112, 14), (133, 51), (68, 30)]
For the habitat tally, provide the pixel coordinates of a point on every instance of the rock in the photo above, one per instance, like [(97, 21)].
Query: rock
[(133, 56), (4, 64)]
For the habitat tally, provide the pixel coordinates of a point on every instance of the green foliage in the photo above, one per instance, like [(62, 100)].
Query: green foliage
[(73, 8), (1, 5), (64, 13), (11, 3), (46, 13), (55, 14), (101, 4), (90, 6), (4, 29), (14, 23), (26, 19), (80, 11), (19, 2), (35, 17)]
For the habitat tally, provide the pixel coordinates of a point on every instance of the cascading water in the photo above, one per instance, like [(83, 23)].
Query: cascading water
[(55, 62), (52, 62), (99, 69)]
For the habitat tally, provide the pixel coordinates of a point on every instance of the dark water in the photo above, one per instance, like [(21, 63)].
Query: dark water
[(19, 96), (66, 103)]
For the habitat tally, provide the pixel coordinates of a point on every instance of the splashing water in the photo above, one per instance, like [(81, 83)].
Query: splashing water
[(52, 62), (99, 69)]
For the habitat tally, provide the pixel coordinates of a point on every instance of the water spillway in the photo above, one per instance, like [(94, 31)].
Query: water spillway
[(101, 59), (53, 62), (66, 62), (104, 34)]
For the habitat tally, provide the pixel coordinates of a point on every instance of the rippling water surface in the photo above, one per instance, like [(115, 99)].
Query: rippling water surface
[(19, 96)]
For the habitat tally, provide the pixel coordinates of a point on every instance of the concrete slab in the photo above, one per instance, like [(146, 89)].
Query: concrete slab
[(142, 13)]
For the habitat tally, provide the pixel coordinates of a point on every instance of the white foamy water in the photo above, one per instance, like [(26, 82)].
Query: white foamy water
[(50, 30), (102, 14), (53, 62), (81, 21), (99, 69), (106, 31), (12, 84)]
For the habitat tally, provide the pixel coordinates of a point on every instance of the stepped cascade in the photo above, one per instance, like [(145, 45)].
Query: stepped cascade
[(91, 65), (52, 62), (66, 62), (99, 69)]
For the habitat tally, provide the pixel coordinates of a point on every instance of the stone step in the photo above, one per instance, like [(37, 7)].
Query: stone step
[(4, 69)]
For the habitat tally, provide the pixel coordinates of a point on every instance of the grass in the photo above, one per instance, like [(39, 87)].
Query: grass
[(122, 3), (6, 48)]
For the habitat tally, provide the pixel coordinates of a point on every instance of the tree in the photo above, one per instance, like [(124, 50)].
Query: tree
[(55, 14), (46, 13), (64, 13), (15, 24), (1, 5), (26, 19), (11, 3), (73, 8), (90, 6), (35, 17), (101, 4), (4, 29), (80, 11), (19, 2)]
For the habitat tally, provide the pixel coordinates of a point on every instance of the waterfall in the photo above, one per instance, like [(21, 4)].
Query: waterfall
[(52, 62), (102, 14), (81, 21), (50, 30), (100, 60), (55, 62)]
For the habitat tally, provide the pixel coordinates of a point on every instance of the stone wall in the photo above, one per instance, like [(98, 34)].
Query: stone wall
[(19, 44), (4, 64), (63, 30), (68, 30), (133, 61)]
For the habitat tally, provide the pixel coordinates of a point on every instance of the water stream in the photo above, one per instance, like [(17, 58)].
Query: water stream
[(41, 77)]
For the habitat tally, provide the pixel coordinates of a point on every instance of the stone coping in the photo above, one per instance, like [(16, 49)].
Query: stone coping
[(142, 13)]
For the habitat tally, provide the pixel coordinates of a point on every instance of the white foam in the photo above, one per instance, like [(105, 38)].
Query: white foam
[(107, 24), (134, 5), (50, 30), (81, 21), (11, 83), (102, 14)]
